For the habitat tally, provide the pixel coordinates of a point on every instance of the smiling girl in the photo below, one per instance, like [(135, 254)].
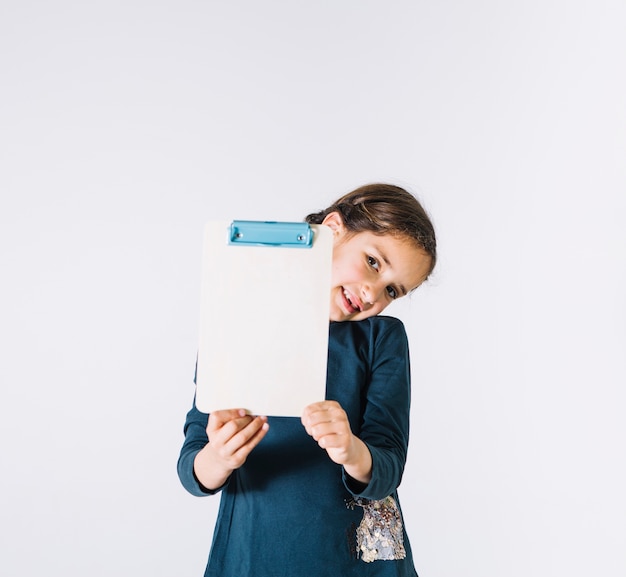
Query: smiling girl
[(317, 496)]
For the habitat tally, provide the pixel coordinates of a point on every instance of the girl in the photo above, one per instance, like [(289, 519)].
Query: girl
[(316, 496)]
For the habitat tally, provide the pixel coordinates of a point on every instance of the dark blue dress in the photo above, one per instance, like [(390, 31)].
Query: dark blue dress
[(290, 511)]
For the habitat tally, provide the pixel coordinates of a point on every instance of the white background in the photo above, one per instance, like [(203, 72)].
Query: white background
[(124, 126)]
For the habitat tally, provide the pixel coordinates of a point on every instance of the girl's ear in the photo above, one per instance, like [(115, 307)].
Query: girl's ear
[(334, 221)]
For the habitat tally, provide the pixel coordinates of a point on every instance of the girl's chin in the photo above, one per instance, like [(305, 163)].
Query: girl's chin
[(337, 315), (340, 316), (337, 318)]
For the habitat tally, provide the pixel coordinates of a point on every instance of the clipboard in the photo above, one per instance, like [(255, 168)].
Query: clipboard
[(264, 316)]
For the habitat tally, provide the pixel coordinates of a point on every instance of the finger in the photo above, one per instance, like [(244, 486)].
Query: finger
[(219, 432), (250, 433), (320, 406), (329, 413), (219, 418), (252, 441), (334, 440), (321, 430), (314, 413), (234, 453)]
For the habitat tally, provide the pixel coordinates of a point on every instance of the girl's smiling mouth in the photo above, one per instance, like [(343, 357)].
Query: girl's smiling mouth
[(351, 302)]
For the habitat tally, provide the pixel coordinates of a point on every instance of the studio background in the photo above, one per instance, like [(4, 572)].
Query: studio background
[(125, 126)]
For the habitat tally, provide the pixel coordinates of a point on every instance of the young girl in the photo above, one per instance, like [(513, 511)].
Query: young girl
[(316, 496)]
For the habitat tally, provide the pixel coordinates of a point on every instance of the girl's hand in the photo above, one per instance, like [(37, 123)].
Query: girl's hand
[(328, 424), (232, 435)]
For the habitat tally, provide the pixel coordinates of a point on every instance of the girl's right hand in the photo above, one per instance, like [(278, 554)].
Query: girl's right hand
[(232, 435)]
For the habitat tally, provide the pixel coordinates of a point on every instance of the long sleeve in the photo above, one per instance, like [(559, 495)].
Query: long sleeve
[(385, 402), (195, 439)]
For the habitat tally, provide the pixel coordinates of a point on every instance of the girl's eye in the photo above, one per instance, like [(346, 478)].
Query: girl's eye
[(372, 262), (392, 292)]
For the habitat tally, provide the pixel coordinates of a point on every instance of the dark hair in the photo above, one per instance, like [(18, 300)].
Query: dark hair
[(384, 209)]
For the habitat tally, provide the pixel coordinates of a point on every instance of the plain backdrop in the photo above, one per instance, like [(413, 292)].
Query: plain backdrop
[(125, 126)]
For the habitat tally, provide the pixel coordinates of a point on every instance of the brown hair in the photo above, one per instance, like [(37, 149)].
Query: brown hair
[(384, 209)]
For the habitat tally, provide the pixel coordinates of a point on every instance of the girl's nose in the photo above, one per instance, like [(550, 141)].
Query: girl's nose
[(370, 293)]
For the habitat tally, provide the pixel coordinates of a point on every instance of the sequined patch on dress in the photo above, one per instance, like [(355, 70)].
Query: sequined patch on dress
[(379, 536)]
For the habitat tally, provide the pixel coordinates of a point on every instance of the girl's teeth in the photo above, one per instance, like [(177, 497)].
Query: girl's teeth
[(345, 293)]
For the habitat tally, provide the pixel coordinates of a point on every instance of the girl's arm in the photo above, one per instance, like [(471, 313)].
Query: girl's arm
[(386, 415), (371, 381)]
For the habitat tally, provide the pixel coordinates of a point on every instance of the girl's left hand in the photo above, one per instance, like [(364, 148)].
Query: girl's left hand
[(328, 424)]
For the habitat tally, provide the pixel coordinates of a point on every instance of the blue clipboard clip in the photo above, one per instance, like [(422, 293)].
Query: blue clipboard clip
[(269, 233)]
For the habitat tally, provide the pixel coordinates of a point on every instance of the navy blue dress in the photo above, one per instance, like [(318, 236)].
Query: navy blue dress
[(290, 511)]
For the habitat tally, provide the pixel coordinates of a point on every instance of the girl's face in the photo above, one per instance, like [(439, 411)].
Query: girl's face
[(370, 271)]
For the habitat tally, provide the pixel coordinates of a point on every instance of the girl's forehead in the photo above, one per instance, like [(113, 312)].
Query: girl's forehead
[(393, 243)]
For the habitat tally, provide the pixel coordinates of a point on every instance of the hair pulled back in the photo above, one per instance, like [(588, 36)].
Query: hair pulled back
[(384, 209)]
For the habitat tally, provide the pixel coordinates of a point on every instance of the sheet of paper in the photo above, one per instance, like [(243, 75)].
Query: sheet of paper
[(263, 342)]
